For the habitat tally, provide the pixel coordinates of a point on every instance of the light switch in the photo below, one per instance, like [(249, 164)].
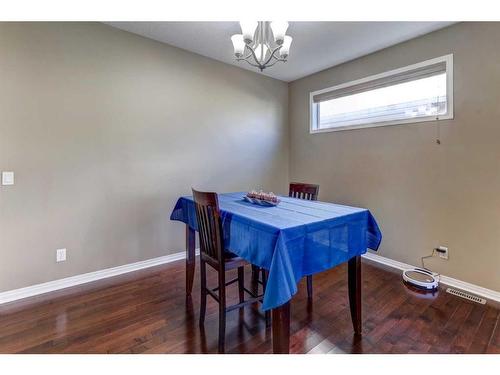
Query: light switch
[(7, 178)]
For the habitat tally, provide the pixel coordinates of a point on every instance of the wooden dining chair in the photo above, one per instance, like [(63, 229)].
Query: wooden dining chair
[(309, 192), (214, 254), (303, 191)]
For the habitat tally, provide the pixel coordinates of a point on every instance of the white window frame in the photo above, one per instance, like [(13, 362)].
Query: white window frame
[(447, 59)]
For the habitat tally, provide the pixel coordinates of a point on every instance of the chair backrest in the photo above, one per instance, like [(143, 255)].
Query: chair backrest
[(209, 224), (303, 191)]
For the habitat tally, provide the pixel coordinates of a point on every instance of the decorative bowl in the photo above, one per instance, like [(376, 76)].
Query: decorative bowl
[(260, 202)]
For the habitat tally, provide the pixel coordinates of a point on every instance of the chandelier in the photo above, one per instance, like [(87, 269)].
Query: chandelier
[(262, 44)]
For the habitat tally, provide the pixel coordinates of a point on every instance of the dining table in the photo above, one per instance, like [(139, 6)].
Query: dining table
[(293, 239)]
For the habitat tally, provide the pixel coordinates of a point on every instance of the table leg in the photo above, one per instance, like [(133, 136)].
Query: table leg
[(190, 259), (281, 329), (354, 282)]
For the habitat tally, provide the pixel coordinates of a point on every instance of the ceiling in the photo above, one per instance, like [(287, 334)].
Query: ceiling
[(316, 45)]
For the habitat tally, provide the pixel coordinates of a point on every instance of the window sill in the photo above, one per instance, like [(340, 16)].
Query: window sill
[(429, 119)]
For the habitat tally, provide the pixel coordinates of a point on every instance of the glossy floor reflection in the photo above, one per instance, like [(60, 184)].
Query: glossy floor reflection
[(147, 312)]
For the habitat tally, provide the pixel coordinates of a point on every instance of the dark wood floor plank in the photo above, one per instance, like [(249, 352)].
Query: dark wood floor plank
[(147, 312), (467, 331), (434, 319), (452, 328), (494, 342)]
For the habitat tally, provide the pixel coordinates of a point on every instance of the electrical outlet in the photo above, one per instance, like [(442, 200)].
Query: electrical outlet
[(60, 255), (443, 252)]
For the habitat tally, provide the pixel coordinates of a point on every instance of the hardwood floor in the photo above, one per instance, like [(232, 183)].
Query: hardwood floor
[(146, 312)]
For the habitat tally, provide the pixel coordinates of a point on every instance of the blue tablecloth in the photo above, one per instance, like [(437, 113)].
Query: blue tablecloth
[(295, 239)]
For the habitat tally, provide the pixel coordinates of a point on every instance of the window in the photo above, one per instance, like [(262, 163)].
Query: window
[(420, 92)]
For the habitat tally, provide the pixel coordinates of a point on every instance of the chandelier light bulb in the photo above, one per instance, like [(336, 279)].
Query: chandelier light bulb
[(248, 30), (279, 30), (285, 47), (238, 44)]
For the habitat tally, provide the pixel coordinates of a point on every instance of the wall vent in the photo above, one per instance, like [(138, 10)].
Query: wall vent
[(470, 297)]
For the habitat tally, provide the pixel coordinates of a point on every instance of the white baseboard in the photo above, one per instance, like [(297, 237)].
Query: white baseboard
[(468, 287), (51, 286)]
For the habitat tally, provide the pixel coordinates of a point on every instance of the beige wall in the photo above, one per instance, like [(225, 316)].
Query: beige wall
[(105, 129), (422, 194)]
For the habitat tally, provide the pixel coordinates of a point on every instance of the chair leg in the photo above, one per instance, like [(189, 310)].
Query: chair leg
[(309, 287), (267, 314), (222, 327), (222, 309), (241, 283), (203, 304), (255, 279)]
